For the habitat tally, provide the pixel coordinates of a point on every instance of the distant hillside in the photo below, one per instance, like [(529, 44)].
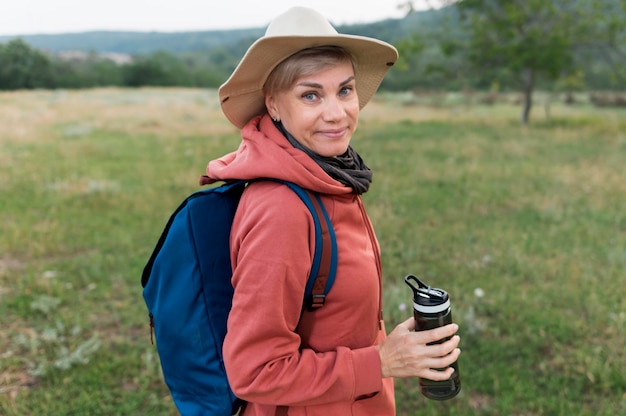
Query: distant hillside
[(133, 43)]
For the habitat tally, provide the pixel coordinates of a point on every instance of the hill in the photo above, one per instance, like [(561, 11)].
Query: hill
[(134, 43)]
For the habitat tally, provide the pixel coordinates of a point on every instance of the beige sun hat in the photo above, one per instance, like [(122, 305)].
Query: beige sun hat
[(241, 96)]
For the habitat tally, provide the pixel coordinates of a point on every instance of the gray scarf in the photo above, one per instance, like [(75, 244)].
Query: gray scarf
[(348, 168)]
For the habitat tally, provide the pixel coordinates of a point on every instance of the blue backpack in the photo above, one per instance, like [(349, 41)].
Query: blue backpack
[(187, 289)]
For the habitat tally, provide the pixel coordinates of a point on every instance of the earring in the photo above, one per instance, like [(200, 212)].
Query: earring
[(276, 119)]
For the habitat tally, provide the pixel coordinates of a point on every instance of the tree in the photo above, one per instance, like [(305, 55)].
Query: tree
[(162, 69), (22, 67), (526, 39), (530, 38), (609, 40), (87, 72)]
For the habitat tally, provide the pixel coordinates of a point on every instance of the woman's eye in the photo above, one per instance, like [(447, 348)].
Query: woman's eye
[(345, 91), (309, 96)]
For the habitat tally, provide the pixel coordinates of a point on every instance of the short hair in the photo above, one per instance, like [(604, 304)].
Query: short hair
[(305, 62)]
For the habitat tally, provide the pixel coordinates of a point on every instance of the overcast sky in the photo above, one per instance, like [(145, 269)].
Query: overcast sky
[(25, 17)]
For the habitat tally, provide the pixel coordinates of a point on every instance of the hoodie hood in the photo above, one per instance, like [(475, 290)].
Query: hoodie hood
[(265, 153)]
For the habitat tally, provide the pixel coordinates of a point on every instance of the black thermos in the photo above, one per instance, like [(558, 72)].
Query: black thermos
[(431, 309)]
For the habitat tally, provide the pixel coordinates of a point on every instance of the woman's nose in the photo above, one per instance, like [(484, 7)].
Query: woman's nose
[(333, 109)]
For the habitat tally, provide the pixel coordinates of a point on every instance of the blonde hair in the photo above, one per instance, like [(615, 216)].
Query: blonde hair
[(305, 62)]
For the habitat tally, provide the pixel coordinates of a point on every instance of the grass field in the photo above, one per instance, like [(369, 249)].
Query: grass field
[(525, 227)]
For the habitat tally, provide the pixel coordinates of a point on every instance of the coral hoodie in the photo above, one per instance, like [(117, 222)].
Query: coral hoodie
[(281, 360)]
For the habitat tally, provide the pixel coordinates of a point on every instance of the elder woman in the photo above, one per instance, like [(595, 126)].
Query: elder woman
[(296, 97)]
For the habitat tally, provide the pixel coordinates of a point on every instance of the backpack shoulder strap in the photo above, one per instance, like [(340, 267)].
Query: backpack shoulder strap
[(324, 268), (235, 187)]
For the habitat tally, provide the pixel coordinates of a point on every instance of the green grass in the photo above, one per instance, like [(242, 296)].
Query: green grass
[(464, 197)]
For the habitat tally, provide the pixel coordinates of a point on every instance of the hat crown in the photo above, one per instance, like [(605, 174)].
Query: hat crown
[(300, 21)]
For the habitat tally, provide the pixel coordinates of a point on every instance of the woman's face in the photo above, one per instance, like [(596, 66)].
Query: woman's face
[(321, 111)]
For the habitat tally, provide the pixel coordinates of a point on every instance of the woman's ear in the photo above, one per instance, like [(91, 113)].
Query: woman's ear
[(271, 108)]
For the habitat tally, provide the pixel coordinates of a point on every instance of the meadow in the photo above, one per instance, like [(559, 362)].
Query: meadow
[(524, 226)]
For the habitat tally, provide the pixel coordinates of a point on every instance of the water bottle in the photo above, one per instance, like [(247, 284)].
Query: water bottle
[(431, 309)]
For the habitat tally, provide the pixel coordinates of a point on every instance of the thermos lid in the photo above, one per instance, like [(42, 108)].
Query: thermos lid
[(427, 299)]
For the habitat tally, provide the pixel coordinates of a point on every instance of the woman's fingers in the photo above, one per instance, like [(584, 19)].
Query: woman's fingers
[(445, 348), (438, 375), (439, 333), (405, 353)]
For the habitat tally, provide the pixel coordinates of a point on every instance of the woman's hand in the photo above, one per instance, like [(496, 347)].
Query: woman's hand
[(404, 352)]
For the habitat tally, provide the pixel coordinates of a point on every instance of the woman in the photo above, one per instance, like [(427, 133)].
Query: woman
[(296, 96)]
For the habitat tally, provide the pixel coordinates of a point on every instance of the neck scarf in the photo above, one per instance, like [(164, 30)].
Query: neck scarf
[(348, 168)]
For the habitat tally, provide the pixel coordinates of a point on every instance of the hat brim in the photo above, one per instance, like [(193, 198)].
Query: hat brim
[(241, 96)]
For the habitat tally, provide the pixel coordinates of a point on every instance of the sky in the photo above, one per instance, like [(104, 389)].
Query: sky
[(27, 17)]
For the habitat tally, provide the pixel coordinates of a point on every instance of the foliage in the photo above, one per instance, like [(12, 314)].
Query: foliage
[(158, 69), (607, 45), (462, 196), (91, 72), (23, 67), (527, 44), (517, 40)]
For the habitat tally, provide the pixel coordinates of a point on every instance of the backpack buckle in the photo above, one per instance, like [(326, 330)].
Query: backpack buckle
[(316, 301)]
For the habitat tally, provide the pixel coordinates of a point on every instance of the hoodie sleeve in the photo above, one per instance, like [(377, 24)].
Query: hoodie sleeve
[(271, 248)]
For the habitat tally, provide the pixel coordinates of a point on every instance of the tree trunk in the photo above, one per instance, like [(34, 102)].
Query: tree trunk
[(528, 86)]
